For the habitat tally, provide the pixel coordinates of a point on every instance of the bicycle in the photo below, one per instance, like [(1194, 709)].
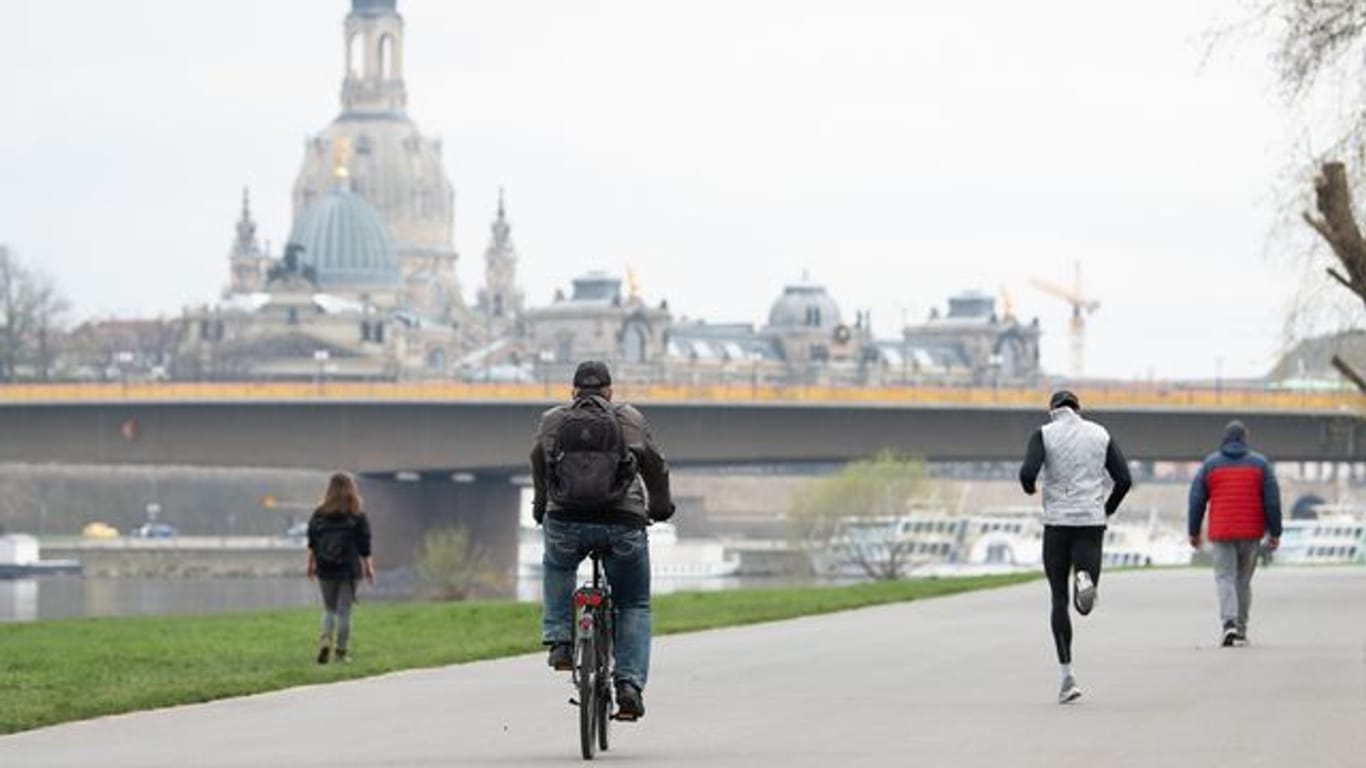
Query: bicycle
[(592, 674)]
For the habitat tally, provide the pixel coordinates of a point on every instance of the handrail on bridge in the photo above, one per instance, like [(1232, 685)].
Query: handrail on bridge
[(1137, 395)]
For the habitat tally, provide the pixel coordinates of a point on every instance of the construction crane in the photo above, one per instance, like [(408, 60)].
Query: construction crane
[(1081, 307)]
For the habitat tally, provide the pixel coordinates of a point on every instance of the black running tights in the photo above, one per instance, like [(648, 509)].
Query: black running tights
[(1066, 547)]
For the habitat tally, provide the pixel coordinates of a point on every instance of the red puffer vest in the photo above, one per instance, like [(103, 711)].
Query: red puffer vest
[(1235, 499)]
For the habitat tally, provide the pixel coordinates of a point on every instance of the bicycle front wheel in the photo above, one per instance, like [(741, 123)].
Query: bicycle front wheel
[(586, 669), (604, 712)]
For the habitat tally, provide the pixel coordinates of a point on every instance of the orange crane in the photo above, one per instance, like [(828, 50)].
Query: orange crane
[(1081, 307)]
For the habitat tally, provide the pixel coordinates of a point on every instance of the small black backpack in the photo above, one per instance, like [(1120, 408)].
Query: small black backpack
[(335, 545), (590, 468)]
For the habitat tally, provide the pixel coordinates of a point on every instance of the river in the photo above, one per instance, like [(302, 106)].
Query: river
[(60, 597)]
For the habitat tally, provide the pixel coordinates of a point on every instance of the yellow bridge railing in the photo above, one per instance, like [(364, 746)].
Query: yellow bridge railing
[(1135, 396)]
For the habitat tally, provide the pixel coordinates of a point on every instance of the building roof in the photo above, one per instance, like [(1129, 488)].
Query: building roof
[(374, 7), (346, 243), (804, 305)]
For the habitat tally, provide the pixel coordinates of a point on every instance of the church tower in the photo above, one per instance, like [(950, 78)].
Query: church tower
[(247, 261), (392, 165), (500, 300)]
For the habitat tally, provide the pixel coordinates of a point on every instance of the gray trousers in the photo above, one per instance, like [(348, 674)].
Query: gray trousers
[(337, 599), (1234, 562)]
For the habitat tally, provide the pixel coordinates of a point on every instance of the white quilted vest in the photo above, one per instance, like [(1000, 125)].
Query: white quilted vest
[(1074, 470)]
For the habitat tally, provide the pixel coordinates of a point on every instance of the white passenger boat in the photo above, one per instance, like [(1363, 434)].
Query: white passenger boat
[(1336, 536), (671, 558)]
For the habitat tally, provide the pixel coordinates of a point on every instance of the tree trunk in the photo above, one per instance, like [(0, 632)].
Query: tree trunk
[(1337, 225)]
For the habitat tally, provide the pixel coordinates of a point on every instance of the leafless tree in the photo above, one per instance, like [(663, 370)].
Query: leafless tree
[(1321, 46), (854, 516), (31, 310)]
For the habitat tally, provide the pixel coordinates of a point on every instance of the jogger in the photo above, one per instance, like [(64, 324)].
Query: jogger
[(1074, 456)]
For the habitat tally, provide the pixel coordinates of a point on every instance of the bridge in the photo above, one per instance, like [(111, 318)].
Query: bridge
[(446, 452)]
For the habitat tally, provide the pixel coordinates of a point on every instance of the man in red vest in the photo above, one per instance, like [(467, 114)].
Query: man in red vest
[(1244, 502)]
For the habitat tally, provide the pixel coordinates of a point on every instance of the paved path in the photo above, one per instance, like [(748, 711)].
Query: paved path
[(961, 681)]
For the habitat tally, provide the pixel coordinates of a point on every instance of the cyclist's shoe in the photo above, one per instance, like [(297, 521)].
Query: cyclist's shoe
[(561, 657), (630, 703), (1069, 691), (1084, 595), (1230, 637)]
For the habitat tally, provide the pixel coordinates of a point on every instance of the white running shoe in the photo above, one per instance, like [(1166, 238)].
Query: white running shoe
[(1084, 595), (1069, 692)]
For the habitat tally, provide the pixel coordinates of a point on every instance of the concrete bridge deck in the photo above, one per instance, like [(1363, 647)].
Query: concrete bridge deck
[(964, 681)]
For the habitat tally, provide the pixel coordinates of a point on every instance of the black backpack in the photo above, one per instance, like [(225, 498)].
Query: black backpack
[(590, 468), (335, 542)]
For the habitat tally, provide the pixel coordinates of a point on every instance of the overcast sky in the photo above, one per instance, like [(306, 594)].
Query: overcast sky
[(897, 151)]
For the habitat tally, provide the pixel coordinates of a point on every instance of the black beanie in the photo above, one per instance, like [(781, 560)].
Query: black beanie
[(1063, 398), (592, 374)]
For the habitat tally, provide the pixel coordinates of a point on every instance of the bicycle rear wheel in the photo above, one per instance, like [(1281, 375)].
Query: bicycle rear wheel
[(586, 671)]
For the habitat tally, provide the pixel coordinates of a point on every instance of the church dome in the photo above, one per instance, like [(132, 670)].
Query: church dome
[(395, 168), (804, 306), (345, 243)]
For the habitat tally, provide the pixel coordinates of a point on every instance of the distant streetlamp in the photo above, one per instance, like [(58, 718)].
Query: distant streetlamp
[(321, 356), (995, 362), (125, 361)]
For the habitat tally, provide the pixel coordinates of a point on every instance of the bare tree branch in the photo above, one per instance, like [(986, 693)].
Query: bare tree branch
[(1351, 373)]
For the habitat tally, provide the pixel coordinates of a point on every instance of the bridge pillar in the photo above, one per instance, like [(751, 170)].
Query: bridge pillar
[(402, 508)]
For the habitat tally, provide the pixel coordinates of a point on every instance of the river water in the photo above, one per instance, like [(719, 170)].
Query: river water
[(59, 597)]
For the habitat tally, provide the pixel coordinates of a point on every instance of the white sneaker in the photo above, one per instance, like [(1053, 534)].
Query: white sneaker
[(1084, 594), (1069, 692)]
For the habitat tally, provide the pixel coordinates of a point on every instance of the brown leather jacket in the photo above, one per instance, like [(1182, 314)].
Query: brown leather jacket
[(648, 498)]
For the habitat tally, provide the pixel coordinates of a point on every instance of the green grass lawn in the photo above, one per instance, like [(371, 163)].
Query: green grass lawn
[(72, 669)]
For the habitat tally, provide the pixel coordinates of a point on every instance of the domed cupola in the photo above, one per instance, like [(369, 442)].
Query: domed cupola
[(804, 306), (346, 244)]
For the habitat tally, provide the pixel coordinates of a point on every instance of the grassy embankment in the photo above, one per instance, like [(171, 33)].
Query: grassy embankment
[(62, 670)]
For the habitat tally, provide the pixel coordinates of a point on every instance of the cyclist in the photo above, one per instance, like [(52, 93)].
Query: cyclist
[(1075, 455), (599, 479)]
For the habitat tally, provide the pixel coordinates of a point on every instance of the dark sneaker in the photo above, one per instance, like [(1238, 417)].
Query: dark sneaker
[(340, 656), (630, 704), (1241, 639), (1069, 691), (323, 652), (561, 657), (1230, 637), (1084, 592)]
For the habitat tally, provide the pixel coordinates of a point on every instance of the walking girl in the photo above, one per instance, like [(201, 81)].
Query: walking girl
[(338, 557)]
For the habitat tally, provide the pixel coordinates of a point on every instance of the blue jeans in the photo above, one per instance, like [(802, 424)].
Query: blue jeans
[(628, 573)]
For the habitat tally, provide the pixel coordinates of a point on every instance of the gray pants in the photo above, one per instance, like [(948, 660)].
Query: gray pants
[(1234, 562), (337, 599)]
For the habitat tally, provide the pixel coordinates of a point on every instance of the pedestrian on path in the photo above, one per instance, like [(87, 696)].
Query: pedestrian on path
[(338, 557), (1074, 455), (1239, 487)]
